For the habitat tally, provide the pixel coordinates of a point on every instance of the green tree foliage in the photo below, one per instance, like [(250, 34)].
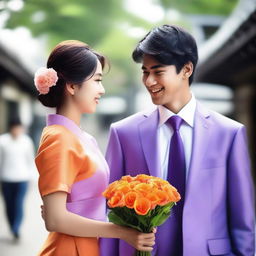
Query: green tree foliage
[(96, 22), (85, 20), (214, 7), (102, 24)]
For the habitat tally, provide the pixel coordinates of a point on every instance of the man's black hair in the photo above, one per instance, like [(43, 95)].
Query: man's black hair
[(15, 121)]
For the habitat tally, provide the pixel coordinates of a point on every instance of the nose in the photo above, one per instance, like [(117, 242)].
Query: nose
[(150, 81), (102, 89)]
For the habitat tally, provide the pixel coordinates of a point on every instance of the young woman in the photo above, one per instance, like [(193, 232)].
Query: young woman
[(73, 172)]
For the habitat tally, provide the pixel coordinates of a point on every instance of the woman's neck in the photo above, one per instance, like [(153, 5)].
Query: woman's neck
[(70, 113)]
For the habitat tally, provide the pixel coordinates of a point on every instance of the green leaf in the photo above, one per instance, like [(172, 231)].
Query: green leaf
[(118, 218), (161, 214), (113, 217)]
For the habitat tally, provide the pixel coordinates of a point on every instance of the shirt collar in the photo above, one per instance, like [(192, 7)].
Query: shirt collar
[(54, 119), (187, 113)]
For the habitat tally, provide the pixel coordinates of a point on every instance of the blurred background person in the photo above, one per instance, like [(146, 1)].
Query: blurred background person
[(16, 164)]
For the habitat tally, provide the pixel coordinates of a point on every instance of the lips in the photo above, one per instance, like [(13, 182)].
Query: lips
[(97, 99), (155, 91)]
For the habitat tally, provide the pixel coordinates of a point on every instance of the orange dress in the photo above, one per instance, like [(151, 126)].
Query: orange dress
[(69, 160)]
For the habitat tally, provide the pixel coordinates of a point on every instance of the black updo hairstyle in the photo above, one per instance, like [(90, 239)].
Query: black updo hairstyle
[(74, 62), (170, 45)]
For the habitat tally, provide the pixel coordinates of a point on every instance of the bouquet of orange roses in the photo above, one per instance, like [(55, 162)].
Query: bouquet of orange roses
[(142, 202)]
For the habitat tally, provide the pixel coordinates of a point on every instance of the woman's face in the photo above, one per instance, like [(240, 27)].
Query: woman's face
[(88, 95)]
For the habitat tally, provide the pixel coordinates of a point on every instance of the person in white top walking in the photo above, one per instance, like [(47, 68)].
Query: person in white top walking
[(16, 164)]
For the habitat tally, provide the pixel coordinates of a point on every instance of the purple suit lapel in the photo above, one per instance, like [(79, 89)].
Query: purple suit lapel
[(148, 136), (201, 135), (148, 130)]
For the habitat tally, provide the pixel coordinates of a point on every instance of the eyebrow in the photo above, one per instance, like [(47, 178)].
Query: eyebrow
[(98, 74), (153, 67)]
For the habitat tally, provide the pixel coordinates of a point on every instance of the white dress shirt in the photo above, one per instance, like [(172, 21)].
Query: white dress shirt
[(16, 158), (165, 132)]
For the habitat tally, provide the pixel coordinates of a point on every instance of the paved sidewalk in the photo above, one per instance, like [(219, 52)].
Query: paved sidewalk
[(33, 232)]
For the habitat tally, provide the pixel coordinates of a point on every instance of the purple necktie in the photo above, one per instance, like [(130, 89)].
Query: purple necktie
[(177, 177)]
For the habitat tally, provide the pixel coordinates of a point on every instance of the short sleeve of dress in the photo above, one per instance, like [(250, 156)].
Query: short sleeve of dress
[(59, 159)]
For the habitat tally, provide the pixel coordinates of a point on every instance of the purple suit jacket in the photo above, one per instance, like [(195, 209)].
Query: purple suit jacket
[(218, 217)]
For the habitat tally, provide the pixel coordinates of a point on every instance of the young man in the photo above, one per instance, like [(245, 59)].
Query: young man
[(202, 153)]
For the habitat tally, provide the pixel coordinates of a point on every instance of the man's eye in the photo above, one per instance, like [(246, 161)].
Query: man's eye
[(159, 72), (145, 73)]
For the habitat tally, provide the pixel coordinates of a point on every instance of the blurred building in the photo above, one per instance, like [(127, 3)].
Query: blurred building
[(204, 26), (228, 58), (20, 55), (16, 90)]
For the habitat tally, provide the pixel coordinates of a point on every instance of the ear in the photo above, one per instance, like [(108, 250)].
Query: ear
[(188, 70), (70, 88)]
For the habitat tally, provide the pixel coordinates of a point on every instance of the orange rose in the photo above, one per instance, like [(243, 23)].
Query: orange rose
[(129, 199), (117, 200), (143, 178), (124, 187), (110, 191), (162, 197), (153, 198), (172, 187), (143, 188), (159, 182), (133, 184), (127, 178), (172, 193), (142, 206), (177, 196)]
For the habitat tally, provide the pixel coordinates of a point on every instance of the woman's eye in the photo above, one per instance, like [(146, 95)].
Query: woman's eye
[(99, 80)]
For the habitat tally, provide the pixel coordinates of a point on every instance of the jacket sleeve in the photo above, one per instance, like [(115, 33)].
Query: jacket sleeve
[(241, 197), (115, 159)]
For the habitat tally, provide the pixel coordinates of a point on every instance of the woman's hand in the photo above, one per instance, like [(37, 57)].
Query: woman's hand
[(138, 240)]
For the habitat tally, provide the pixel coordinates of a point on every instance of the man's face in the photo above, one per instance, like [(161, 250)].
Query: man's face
[(163, 83)]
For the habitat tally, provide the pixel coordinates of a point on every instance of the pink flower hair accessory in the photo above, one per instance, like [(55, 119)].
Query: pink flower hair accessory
[(44, 79)]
